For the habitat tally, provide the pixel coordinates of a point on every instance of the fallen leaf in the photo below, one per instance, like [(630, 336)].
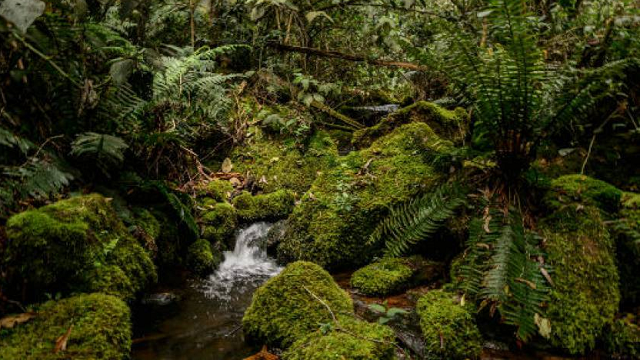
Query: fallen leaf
[(263, 180), (61, 342), (10, 321), (544, 325), (227, 166), (263, 355), (235, 182)]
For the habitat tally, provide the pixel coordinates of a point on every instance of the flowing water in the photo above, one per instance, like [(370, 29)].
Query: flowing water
[(205, 322)]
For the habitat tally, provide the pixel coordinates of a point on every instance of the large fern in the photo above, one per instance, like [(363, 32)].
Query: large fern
[(418, 219), (106, 151)]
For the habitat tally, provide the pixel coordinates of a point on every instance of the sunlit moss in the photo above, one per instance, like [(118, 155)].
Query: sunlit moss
[(272, 206), (382, 277), (219, 222), (99, 324), (202, 259), (585, 190)]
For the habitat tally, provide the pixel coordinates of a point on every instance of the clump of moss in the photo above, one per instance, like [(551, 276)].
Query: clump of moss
[(277, 164), (585, 190), (61, 247), (630, 200), (622, 340), (448, 328), (346, 202), (100, 329), (202, 259), (286, 308), (219, 222), (272, 206), (218, 190), (382, 277), (348, 339), (585, 295), (446, 123), (145, 220), (626, 229)]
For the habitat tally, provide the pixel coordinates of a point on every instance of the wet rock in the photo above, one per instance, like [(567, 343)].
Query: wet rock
[(275, 235), (160, 299)]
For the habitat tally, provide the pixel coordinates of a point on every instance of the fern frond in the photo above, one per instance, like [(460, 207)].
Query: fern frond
[(419, 219), (105, 150)]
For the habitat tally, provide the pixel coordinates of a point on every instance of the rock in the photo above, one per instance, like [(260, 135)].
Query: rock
[(585, 295), (272, 206), (100, 330), (202, 258), (583, 190), (78, 244), (382, 277), (448, 328), (345, 203), (219, 222), (160, 299), (622, 338), (287, 307), (349, 338), (448, 124), (275, 235)]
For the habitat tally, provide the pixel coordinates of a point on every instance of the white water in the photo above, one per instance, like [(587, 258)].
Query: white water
[(243, 269)]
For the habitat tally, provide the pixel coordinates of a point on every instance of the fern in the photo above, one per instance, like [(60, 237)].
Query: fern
[(501, 270), (419, 219), (105, 150)]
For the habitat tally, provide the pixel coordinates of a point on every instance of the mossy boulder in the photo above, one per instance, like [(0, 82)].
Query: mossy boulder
[(219, 221), (275, 163), (573, 189), (622, 339), (344, 205), (348, 339), (202, 257), (626, 229), (448, 124), (146, 229), (448, 328), (216, 189), (100, 329), (287, 307), (382, 277), (585, 295), (66, 246), (272, 206)]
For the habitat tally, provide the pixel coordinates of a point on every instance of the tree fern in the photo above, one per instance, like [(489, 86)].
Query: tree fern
[(419, 219)]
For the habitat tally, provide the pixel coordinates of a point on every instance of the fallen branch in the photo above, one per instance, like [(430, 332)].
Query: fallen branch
[(349, 57)]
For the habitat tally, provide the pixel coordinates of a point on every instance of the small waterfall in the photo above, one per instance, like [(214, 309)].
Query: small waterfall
[(245, 268)]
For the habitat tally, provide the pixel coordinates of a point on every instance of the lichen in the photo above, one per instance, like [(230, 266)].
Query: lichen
[(585, 295), (570, 189), (99, 323), (382, 277), (334, 219), (294, 304), (202, 259), (448, 328), (276, 164), (61, 247), (219, 222), (622, 339), (446, 123), (272, 206), (348, 339)]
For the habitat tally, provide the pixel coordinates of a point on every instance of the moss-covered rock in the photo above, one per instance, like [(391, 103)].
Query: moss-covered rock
[(622, 339), (219, 222), (277, 164), (147, 229), (570, 189), (286, 308), (448, 328), (202, 258), (348, 339), (218, 190), (626, 229), (65, 246), (345, 203), (585, 295), (382, 277), (99, 323), (448, 124), (272, 206)]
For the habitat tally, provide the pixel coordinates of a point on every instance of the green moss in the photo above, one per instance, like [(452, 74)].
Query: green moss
[(145, 220), (585, 295), (622, 340), (61, 247), (349, 339), (346, 202), (218, 190), (448, 328), (112, 280), (272, 206), (626, 229), (630, 200), (201, 257), (446, 123), (570, 189), (277, 164), (285, 308), (101, 330), (382, 277), (219, 222)]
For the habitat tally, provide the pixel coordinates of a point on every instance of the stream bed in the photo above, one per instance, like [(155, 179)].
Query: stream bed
[(202, 319)]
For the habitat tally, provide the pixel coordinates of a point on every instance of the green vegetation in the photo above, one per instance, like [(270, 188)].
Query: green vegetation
[(219, 222), (382, 277), (571, 189), (294, 304), (202, 258), (98, 325), (448, 328), (623, 337), (272, 206)]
